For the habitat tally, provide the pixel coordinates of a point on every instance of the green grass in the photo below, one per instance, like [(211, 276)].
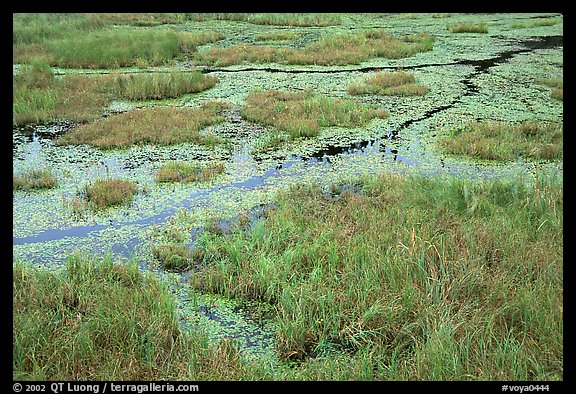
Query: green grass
[(279, 19), (161, 85), (557, 94), (139, 19), (407, 278), (33, 105), (36, 28), (96, 320), (557, 85), (551, 82), (173, 256), (152, 125), (169, 248), (334, 49), (398, 83), (278, 36), (302, 115), (34, 96), (34, 179), (115, 48), (536, 23), (102, 40), (108, 192), (182, 171), (412, 278), (503, 142), (468, 27), (40, 97)]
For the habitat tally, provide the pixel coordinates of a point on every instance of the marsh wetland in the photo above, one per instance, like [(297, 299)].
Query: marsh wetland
[(288, 196)]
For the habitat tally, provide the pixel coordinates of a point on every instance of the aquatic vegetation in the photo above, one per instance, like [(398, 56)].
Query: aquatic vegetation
[(98, 320), (278, 36), (139, 18), (39, 97), (37, 27), (181, 171), (377, 284), (102, 40), (403, 260), (302, 114), (34, 179), (108, 192), (161, 85), (503, 141), (153, 125), (397, 83), (557, 85), (280, 19), (335, 49), (468, 27), (115, 48), (173, 256), (557, 94), (536, 23)]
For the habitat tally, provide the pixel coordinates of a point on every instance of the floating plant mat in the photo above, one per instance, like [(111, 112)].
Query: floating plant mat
[(248, 323)]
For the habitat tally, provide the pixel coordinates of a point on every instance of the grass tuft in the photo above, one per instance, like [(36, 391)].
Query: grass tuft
[(302, 115), (96, 320), (102, 40), (335, 49), (279, 19), (153, 125), (109, 192), (502, 141), (536, 23), (115, 48), (468, 27), (139, 19), (182, 171), (398, 83), (557, 94), (161, 85), (32, 30), (34, 179), (557, 85), (34, 97), (39, 97), (173, 256)]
